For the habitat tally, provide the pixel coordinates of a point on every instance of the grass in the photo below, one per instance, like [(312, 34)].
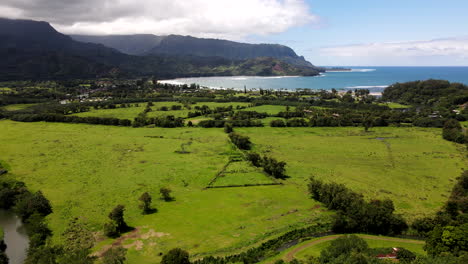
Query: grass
[(304, 252), (15, 107), (395, 105), (131, 112), (2, 234), (414, 167), (269, 109), (86, 170), (240, 173)]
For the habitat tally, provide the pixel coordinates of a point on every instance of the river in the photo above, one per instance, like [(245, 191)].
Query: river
[(15, 238)]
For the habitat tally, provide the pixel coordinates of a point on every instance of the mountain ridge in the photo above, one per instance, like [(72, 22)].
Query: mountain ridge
[(148, 44), (35, 50)]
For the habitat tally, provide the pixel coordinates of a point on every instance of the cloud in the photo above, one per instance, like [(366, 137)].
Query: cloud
[(453, 51), (208, 18)]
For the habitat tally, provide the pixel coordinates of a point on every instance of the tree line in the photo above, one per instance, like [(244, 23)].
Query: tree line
[(355, 214)]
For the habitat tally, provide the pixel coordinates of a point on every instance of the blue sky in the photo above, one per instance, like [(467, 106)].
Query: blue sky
[(326, 32), (344, 23)]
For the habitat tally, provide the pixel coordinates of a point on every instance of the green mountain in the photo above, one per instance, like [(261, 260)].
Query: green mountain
[(138, 44), (35, 50), (187, 45)]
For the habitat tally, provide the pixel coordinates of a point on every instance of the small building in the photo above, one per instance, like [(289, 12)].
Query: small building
[(392, 255)]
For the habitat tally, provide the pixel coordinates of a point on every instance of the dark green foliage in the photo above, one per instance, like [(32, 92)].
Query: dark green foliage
[(234, 123), (117, 224), (115, 255), (77, 237), (270, 165), (44, 255), (145, 203), (277, 123), (430, 92), (405, 255), (243, 115), (297, 122), (29, 204), (354, 213), (71, 119), (429, 122), (3, 258), (447, 239), (255, 158), (228, 128), (166, 194), (176, 256), (343, 248), (273, 167), (117, 216), (242, 142), (452, 131), (110, 229)]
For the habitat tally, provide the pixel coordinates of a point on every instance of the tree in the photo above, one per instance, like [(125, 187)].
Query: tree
[(145, 202), (344, 245), (77, 236), (110, 229), (117, 224), (176, 256), (29, 204), (166, 194), (447, 239), (242, 142), (368, 122), (115, 255), (228, 128), (405, 255), (452, 131)]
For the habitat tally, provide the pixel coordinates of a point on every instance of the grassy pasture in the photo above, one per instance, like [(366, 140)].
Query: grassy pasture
[(240, 173), (414, 167), (131, 112), (395, 105), (269, 109), (15, 107), (86, 170)]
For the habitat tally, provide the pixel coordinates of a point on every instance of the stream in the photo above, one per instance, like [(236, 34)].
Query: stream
[(15, 238)]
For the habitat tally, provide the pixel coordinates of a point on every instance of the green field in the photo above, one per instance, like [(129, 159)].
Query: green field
[(86, 170), (269, 109), (414, 167), (132, 112), (395, 105), (313, 247), (241, 173), (15, 107)]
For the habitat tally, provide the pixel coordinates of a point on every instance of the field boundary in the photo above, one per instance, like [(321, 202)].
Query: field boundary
[(290, 255)]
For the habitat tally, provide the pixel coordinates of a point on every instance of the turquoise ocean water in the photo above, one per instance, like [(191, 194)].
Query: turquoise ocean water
[(373, 78)]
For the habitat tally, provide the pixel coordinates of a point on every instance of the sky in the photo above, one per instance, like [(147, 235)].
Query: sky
[(326, 32)]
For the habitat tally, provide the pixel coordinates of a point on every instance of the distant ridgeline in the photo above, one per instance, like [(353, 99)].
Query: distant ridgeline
[(34, 50)]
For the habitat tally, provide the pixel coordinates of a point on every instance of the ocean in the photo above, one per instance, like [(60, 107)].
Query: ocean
[(376, 79)]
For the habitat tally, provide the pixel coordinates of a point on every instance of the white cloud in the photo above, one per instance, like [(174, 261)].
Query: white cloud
[(449, 51), (232, 19)]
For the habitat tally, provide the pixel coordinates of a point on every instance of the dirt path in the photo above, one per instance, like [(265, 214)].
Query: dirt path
[(290, 256)]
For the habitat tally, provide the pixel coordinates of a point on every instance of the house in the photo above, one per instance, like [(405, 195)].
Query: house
[(392, 255)]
